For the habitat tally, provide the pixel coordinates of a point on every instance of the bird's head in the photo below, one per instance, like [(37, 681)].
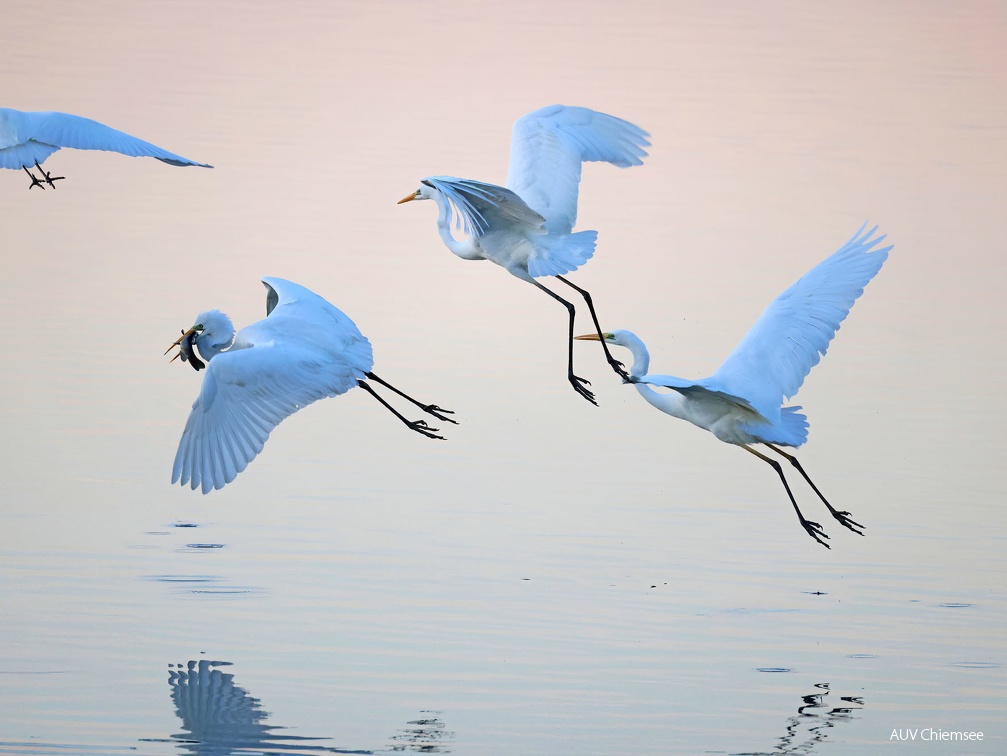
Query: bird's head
[(632, 342), (211, 334), (619, 338), (425, 192)]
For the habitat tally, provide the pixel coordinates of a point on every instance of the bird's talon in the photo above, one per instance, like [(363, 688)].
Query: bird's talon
[(436, 411)]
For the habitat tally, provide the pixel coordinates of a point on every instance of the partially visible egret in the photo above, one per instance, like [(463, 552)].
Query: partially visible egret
[(28, 138), (303, 350), (527, 227), (741, 403)]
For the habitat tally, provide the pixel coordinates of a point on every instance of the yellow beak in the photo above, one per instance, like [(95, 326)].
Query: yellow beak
[(177, 342), (408, 198), (588, 337)]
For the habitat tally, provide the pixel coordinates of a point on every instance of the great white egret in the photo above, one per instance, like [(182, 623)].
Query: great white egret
[(741, 403), (303, 350), (28, 138), (527, 227)]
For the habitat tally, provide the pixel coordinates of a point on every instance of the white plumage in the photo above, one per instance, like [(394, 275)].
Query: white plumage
[(527, 226), (28, 138), (741, 403), (303, 350)]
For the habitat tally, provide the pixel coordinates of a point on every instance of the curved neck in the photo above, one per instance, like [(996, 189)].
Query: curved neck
[(212, 342), (466, 248), (672, 402), (641, 357)]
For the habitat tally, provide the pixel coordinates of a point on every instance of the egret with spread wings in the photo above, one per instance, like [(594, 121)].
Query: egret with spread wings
[(527, 226), (741, 403), (28, 138), (303, 350)]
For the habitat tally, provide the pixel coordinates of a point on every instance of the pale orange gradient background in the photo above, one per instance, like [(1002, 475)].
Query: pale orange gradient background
[(777, 129)]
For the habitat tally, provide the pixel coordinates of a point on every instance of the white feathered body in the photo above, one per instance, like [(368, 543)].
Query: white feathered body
[(303, 351), (527, 226)]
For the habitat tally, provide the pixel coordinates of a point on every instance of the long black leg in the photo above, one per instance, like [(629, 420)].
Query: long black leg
[(48, 177), (34, 181), (843, 517), (813, 528), (617, 366), (580, 385), (420, 426), (432, 409)]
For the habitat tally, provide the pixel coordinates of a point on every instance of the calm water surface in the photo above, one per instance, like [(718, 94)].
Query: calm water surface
[(555, 578)]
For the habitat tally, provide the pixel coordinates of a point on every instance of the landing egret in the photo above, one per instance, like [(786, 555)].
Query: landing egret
[(741, 403), (28, 138), (303, 350), (527, 227)]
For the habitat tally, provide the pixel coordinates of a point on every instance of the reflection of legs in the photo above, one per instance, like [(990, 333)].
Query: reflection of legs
[(843, 517), (617, 366), (432, 409), (580, 385), (420, 426), (813, 528)]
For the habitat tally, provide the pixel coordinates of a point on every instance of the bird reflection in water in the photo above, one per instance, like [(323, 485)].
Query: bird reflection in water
[(219, 718), (810, 726), (424, 735)]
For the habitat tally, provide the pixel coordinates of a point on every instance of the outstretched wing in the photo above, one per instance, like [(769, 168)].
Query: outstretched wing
[(39, 134), (477, 207), (790, 337), (305, 350), (547, 148)]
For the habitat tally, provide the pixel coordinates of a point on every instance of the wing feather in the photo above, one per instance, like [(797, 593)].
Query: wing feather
[(793, 333), (547, 148), (39, 134), (476, 206)]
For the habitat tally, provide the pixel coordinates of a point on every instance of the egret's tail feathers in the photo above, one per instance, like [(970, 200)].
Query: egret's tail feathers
[(556, 255), (790, 430)]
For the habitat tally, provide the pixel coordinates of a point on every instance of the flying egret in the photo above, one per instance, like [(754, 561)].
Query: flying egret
[(303, 350), (527, 227), (741, 403), (31, 137)]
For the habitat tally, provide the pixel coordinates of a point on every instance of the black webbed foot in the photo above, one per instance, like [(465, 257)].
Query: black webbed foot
[(844, 519), (619, 368), (49, 178), (34, 181), (420, 426), (815, 531), (436, 411), (580, 385)]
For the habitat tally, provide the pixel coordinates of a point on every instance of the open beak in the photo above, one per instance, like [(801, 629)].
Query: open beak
[(408, 198), (178, 342), (588, 337)]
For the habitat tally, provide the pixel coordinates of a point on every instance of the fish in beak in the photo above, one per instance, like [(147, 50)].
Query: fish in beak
[(186, 350)]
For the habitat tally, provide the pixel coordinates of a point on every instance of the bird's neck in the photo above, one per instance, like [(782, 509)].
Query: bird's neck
[(671, 403), (467, 247), (641, 357), (212, 343)]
